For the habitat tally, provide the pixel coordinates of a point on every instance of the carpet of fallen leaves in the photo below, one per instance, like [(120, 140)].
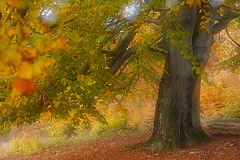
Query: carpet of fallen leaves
[(222, 148)]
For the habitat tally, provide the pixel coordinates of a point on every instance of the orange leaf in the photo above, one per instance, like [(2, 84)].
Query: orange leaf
[(25, 31), (28, 53), (44, 28), (189, 2), (198, 2), (14, 3), (25, 86), (61, 44)]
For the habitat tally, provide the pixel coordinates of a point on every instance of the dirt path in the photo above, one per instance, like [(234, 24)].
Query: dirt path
[(222, 148)]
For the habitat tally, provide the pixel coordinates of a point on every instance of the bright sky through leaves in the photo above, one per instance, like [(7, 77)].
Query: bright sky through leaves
[(216, 3), (49, 15), (60, 3), (131, 10)]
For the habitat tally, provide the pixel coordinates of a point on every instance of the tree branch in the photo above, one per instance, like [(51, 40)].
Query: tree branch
[(122, 44), (161, 46), (224, 20), (231, 38), (114, 67), (113, 23), (118, 63), (161, 9), (233, 9), (154, 21), (66, 22)]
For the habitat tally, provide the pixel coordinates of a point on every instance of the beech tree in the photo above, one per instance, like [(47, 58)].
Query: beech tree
[(177, 119), (91, 41)]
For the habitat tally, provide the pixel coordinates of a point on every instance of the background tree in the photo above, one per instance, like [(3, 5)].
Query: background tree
[(105, 38)]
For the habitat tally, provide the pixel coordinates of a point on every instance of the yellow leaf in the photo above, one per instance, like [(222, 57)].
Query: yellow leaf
[(46, 116), (5, 68), (198, 2), (61, 44), (12, 31), (4, 41), (37, 70), (25, 71), (44, 29), (80, 77), (175, 9), (10, 55), (107, 68), (44, 62), (40, 65), (189, 2)]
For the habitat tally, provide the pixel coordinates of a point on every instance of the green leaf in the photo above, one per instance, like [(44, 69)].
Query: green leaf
[(73, 36), (71, 75)]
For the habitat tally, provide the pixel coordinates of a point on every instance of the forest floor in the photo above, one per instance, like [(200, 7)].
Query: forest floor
[(221, 148)]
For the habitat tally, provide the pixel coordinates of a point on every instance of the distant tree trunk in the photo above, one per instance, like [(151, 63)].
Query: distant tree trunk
[(177, 116)]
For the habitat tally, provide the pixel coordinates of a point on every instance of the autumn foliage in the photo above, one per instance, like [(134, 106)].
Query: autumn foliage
[(25, 87), (58, 69), (28, 53)]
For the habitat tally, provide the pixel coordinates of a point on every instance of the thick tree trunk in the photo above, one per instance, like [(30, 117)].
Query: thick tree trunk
[(177, 116), (177, 120)]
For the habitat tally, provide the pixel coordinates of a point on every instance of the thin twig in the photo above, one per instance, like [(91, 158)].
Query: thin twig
[(231, 37)]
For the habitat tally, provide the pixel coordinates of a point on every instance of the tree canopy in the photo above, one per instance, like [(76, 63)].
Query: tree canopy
[(59, 57)]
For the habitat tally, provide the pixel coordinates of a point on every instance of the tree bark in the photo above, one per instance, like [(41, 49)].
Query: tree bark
[(177, 116)]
